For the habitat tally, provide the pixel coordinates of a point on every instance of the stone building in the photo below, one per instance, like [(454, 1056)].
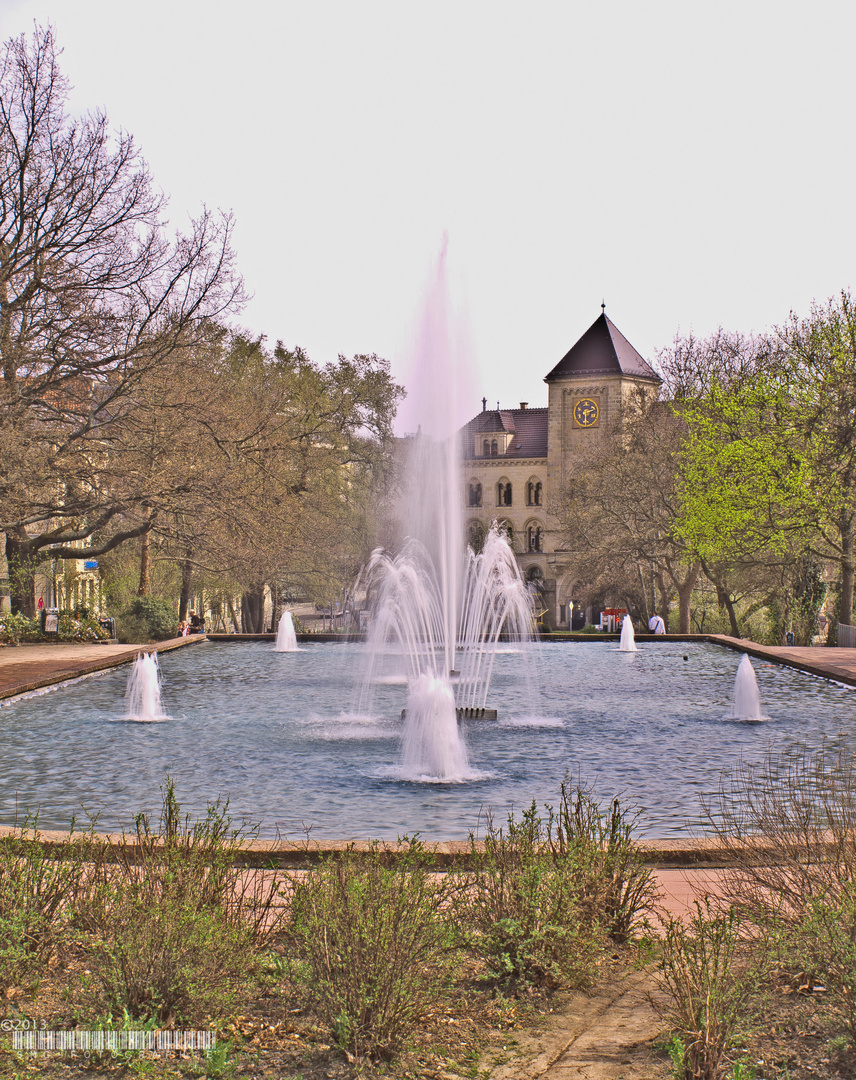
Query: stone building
[(516, 462)]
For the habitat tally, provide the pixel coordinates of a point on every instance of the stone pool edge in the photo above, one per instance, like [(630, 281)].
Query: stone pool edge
[(690, 854)]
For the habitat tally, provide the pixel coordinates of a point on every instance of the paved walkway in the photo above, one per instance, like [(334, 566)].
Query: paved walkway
[(610, 1033), (30, 667), (605, 1035), (828, 663)]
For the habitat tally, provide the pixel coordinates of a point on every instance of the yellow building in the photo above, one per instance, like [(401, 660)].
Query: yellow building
[(516, 462)]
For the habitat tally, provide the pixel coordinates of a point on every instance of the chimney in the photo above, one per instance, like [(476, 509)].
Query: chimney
[(524, 404)]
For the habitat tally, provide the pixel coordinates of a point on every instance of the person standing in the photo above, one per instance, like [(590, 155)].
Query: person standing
[(656, 625)]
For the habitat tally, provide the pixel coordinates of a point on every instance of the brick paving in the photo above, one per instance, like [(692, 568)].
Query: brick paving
[(828, 663), (31, 667)]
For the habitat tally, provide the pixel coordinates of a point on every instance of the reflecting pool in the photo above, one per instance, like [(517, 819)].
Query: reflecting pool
[(277, 733)]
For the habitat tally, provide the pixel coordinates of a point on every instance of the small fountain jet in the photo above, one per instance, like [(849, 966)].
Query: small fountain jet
[(143, 694), (628, 638), (286, 639), (747, 696)]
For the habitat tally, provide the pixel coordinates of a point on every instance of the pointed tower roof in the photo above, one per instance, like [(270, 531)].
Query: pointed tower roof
[(602, 350)]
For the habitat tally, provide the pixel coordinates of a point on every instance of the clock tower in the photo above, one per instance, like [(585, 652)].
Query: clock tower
[(516, 462), (587, 389)]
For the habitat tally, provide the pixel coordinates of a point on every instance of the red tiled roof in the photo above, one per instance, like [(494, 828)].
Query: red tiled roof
[(528, 426)]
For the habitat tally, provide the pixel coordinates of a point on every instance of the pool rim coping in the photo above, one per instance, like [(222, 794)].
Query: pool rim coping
[(786, 656)]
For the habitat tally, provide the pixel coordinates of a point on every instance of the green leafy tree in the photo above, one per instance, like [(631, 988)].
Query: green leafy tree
[(768, 468)]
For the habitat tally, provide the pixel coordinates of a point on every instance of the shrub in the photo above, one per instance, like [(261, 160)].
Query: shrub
[(163, 956), (786, 833), (175, 919), (827, 937), (522, 909), (374, 943), (613, 880), (79, 628), (38, 889), (16, 628), (709, 987), (148, 619)]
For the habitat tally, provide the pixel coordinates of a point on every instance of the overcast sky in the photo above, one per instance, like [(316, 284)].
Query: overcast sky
[(691, 164)]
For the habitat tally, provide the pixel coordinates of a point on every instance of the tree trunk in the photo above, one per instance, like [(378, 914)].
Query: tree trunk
[(723, 597), (660, 580), (846, 615), (685, 592), (186, 585), (728, 604), (253, 609), (22, 561), (236, 618), (644, 595), (145, 564)]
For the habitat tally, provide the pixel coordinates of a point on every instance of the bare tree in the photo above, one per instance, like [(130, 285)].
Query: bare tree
[(94, 295), (619, 514)]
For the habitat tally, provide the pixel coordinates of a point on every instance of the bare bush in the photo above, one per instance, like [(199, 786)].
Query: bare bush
[(374, 944), (786, 833), (709, 984)]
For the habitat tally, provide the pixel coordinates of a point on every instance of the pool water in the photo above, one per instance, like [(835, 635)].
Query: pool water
[(277, 734)]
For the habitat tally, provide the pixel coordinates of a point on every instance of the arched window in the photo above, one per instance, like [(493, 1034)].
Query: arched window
[(538, 490), (534, 538), (504, 527), (533, 493), (474, 494), (494, 448), (503, 493), (475, 536), (486, 448)]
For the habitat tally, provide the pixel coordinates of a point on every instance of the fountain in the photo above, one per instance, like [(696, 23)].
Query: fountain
[(286, 639), (143, 694), (442, 609), (628, 638), (275, 738), (747, 697)]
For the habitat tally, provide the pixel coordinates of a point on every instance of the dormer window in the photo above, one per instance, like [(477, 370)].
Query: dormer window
[(494, 448), (486, 448)]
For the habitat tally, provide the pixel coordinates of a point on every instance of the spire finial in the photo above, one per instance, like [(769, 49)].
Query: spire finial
[(603, 307), (484, 404)]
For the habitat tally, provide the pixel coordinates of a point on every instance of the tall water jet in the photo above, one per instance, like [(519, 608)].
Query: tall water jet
[(286, 638), (438, 608), (143, 692), (628, 638), (747, 696)]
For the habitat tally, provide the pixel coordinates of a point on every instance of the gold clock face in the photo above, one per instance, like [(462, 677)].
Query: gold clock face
[(586, 412)]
